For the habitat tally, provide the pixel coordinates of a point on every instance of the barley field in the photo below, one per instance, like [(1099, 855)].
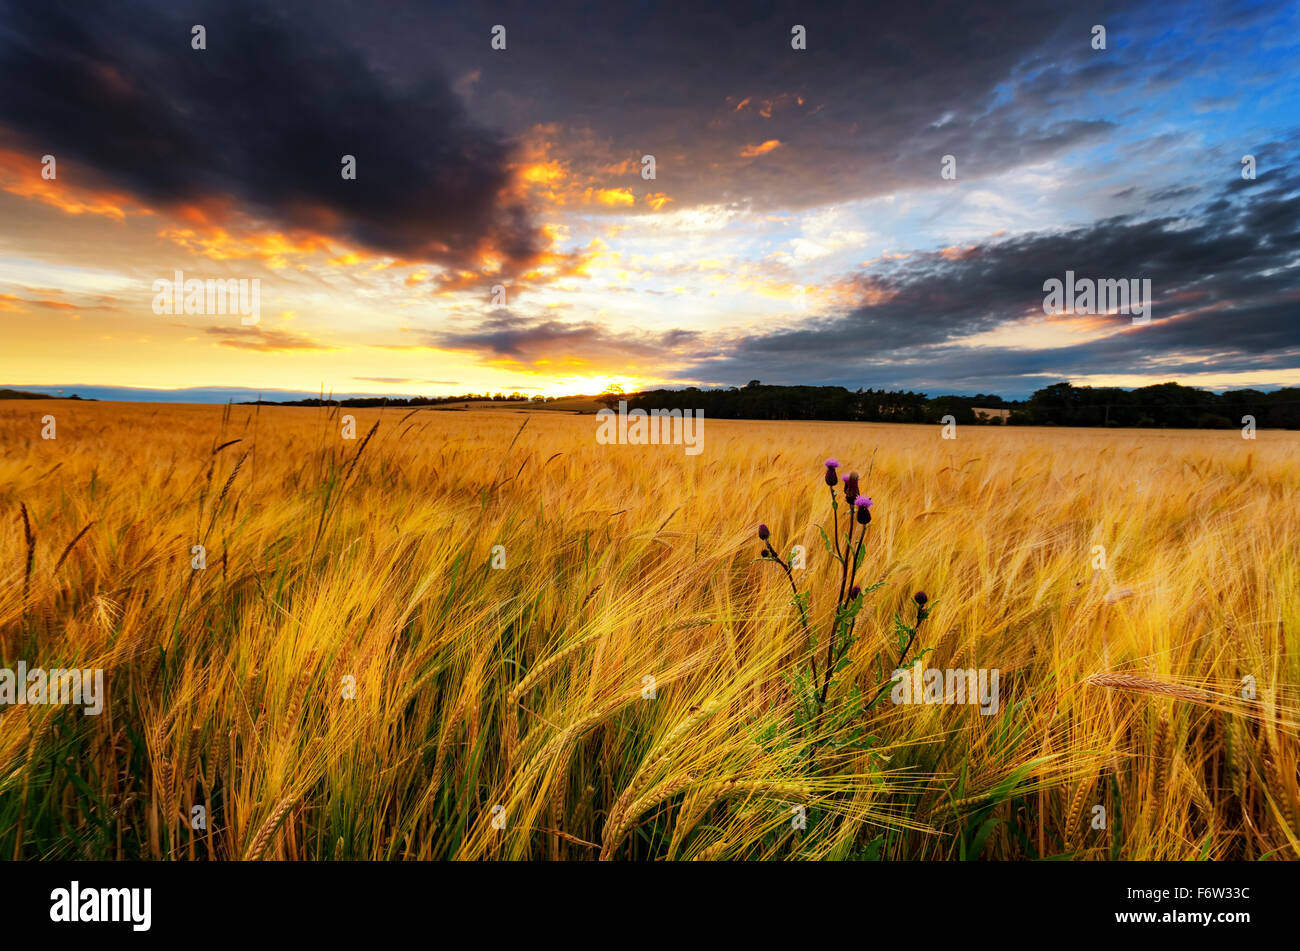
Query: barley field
[(358, 671)]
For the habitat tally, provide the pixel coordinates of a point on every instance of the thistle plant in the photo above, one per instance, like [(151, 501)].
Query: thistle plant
[(828, 657)]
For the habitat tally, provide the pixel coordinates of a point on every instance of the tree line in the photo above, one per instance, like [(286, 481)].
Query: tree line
[(1062, 404)]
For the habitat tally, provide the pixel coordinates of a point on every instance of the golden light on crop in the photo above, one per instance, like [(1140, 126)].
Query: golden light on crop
[(394, 639)]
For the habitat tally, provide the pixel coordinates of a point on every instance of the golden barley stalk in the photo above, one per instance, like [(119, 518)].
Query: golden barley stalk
[(711, 795), (166, 797), (642, 777), (537, 672), (163, 773), (692, 809), (558, 789), (160, 733), (575, 730), (444, 737), (712, 852), (222, 754), (570, 838), (1148, 685), (510, 735), (1159, 763), (191, 755), (1075, 813), (295, 702), (263, 837), (663, 792), (1235, 756), (1200, 797), (1281, 795)]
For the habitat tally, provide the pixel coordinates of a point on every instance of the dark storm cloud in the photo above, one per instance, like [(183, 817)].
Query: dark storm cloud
[(1225, 273), (529, 342), (881, 93), (262, 116), (887, 88)]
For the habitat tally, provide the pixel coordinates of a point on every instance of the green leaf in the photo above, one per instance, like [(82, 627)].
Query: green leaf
[(827, 542), (977, 844)]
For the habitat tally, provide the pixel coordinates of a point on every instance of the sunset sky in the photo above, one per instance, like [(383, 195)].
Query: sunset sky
[(798, 229)]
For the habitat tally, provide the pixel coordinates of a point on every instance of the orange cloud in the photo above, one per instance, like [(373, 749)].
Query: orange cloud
[(265, 341), (752, 151), (624, 167), (555, 265), (955, 253), (465, 85), (204, 225), (15, 303), (20, 174), (205, 212), (611, 196), (540, 175), (766, 106), (273, 248), (549, 172)]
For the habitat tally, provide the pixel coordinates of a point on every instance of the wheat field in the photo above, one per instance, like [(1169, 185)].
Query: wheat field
[(358, 671)]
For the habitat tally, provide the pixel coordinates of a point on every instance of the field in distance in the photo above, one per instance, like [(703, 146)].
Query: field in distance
[(563, 404)]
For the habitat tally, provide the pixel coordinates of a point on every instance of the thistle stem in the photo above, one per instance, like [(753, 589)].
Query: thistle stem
[(789, 573)]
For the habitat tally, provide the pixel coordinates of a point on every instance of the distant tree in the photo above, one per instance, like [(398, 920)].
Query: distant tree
[(611, 395)]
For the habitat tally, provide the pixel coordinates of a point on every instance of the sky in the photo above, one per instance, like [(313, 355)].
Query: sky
[(503, 232)]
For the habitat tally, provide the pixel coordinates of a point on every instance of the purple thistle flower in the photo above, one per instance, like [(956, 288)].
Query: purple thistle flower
[(831, 465)]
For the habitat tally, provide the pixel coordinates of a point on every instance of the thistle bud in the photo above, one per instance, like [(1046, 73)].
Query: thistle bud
[(763, 533), (855, 591), (851, 487), (863, 505), (920, 599)]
